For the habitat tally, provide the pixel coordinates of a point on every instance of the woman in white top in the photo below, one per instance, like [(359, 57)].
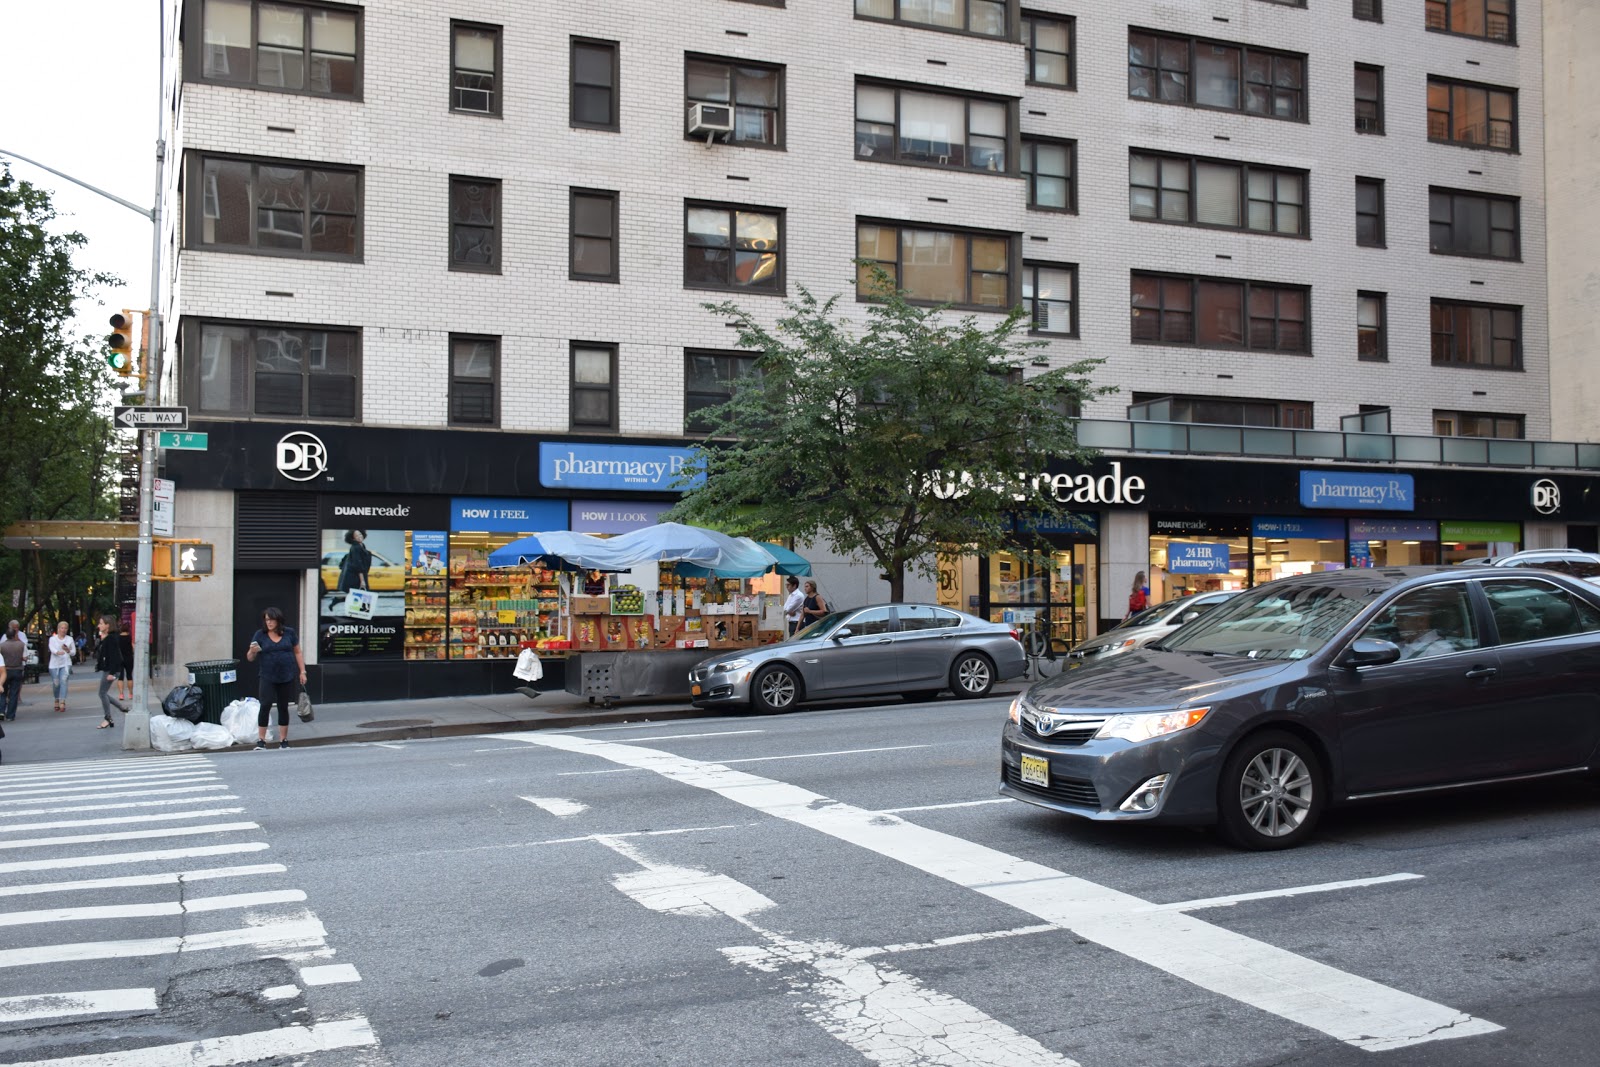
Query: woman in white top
[(61, 649)]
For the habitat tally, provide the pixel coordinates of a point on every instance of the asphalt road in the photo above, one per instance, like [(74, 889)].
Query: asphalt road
[(831, 887)]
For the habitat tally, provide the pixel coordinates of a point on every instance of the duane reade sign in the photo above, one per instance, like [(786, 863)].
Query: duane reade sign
[(1112, 488)]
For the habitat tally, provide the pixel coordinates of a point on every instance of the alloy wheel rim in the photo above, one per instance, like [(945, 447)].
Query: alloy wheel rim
[(777, 689), (1275, 792), (974, 675)]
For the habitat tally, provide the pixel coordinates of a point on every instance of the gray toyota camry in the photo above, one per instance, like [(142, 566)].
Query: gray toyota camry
[(1325, 689)]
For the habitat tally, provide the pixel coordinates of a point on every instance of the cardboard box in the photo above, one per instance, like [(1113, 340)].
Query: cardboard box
[(587, 634), (686, 642), (591, 605), (667, 629)]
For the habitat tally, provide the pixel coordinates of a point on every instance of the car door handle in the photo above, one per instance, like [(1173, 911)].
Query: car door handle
[(1483, 672), (883, 640)]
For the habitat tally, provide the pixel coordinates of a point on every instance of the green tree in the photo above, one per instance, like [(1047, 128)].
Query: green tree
[(57, 458), (897, 440)]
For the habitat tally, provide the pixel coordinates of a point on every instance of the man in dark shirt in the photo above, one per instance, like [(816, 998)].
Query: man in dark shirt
[(14, 654)]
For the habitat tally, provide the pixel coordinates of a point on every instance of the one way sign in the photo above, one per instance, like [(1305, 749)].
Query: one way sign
[(133, 418)]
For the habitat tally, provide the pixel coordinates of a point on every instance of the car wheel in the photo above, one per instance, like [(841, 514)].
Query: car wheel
[(1271, 792), (971, 675), (774, 690), (922, 696)]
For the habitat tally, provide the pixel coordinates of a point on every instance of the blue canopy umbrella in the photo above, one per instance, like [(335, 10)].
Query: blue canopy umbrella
[(783, 561), (788, 562), (548, 550)]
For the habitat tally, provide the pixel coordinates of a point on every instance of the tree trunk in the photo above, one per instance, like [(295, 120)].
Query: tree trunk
[(897, 582)]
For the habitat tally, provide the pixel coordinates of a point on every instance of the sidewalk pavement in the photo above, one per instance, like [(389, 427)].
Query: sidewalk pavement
[(40, 734)]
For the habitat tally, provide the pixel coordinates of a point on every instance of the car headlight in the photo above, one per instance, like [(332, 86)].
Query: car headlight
[(729, 665), (1121, 646), (1151, 724), (1015, 713)]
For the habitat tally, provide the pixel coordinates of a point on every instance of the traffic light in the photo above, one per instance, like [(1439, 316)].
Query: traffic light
[(121, 342)]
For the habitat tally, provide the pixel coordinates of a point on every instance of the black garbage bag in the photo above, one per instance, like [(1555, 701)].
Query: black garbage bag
[(185, 702)]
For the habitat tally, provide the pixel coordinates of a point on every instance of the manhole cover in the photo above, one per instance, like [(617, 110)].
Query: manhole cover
[(392, 724)]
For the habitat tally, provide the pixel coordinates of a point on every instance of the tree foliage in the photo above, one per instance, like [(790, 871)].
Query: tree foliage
[(896, 440), (56, 456)]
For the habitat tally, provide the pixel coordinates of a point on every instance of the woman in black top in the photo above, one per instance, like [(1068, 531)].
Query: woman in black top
[(357, 561), (814, 608), (282, 664), (110, 665)]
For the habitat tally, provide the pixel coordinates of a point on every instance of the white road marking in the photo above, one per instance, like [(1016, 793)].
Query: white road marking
[(557, 806), (1352, 1009), (63, 862), (280, 992), (86, 790), (749, 759), (124, 806), (166, 878), (133, 793), (122, 820), (89, 1002), (277, 933), (688, 737), (102, 773), (1292, 891), (628, 834), (13, 771), (224, 1051), (102, 781), (331, 974), (941, 807), (144, 911), (387, 744), (887, 1016), (958, 939), (132, 835)]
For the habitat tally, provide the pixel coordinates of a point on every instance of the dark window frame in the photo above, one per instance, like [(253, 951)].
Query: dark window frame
[(779, 112), (1191, 193), (1008, 32), (1246, 52), (1379, 217), (1440, 340), (748, 359), (1248, 317), (192, 355), (1366, 10), (195, 206), (1030, 172), (1436, 19), (1288, 414), (1457, 416), (194, 49), (1012, 138), (614, 199), (614, 49), (1380, 352), (495, 226), (779, 286), (1030, 33), (1030, 304), (612, 391), (497, 93), (1375, 124), (1451, 85), (496, 377), (1489, 200), (1013, 263)]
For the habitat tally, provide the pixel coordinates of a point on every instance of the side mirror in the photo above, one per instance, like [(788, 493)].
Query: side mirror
[(844, 631), (1189, 616), (1369, 652)]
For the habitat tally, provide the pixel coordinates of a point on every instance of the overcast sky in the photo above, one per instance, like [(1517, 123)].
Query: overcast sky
[(78, 91)]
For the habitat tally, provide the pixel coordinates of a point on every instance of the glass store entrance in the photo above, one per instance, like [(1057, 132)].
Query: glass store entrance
[(1048, 592)]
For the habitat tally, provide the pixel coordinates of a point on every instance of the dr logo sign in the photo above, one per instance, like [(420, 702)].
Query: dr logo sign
[(301, 456)]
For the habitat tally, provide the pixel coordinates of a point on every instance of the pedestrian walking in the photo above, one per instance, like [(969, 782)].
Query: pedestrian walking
[(282, 666), (14, 654), (61, 649), (813, 607), (1138, 596), (793, 604), (125, 679), (108, 661), (356, 563)]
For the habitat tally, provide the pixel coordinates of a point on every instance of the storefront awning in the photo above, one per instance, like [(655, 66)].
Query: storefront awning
[(85, 536), (667, 542)]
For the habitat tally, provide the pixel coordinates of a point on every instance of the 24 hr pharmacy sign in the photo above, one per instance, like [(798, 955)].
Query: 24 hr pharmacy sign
[(1350, 491)]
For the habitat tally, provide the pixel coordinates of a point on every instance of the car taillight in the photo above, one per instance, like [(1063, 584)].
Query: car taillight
[(1016, 635)]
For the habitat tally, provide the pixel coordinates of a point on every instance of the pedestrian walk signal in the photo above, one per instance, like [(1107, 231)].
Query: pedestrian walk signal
[(191, 560), (121, 342)]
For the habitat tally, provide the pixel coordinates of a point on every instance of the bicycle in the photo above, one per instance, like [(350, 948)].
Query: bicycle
[(1044, 661)]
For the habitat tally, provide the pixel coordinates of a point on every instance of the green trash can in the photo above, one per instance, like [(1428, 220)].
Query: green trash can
[(218, 679)]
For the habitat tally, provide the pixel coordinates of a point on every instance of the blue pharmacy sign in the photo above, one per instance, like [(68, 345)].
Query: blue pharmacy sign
[(1197, 557), (1352, 491), (644, 468), (1298, 528), (495, 515)]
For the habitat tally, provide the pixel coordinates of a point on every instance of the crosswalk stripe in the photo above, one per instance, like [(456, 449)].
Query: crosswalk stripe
[(88, 781), (168, 789), (89, 789), (145, 911), (124, 806), (43, 777), (61, 1005), (165, 878), (122, 820), (237, 1048), (22, 769), (62, 862), (131, 835), (277, 933)]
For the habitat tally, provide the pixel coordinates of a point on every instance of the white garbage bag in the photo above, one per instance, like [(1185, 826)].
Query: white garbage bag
[(211, 736), (240, 719), (528, 667), (163, 729)]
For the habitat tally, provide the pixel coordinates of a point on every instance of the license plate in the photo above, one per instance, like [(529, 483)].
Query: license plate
[(1035, 771), (694, 690)]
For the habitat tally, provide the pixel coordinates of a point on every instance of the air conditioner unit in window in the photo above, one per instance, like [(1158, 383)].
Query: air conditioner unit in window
[(710, 119)]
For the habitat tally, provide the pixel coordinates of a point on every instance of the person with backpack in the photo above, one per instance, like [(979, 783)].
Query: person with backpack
[(1139, 597)]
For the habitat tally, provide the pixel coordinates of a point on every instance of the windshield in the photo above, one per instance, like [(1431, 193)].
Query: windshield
[(1149, 616), (821, 626), (1275, 622)]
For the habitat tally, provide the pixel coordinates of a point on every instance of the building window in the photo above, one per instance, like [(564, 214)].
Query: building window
[(1471, 224), (275, 208), (1048, 166), (1372, 338), (475, 224), (1214, 192), (1369, 212), (594, 91), (1219, 313), (1369, 99), (1367, 10), (733, 248), (1221, 411), (1048, 45), (902, 125), (709, 379), (754, 91), (985, 17), (1477, 335), (474, 381), (1493, 20), (594, 236), (1477, 424), (1214, 74), (256, 369), (1049, 293), (594, 386), (1287, 3), (295, 48), (1467, 114), (937, 266), (475, 68)]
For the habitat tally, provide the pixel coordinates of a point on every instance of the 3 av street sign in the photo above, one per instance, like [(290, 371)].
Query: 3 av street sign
[(151, 418), (192, 441)]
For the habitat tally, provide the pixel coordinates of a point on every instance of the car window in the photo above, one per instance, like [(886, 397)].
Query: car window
[(1434, 621), (1526, 609), (871, 621), (924, 617), (1275, 621)]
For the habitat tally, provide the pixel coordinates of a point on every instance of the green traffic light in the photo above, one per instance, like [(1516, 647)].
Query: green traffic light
[(118, 361)]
